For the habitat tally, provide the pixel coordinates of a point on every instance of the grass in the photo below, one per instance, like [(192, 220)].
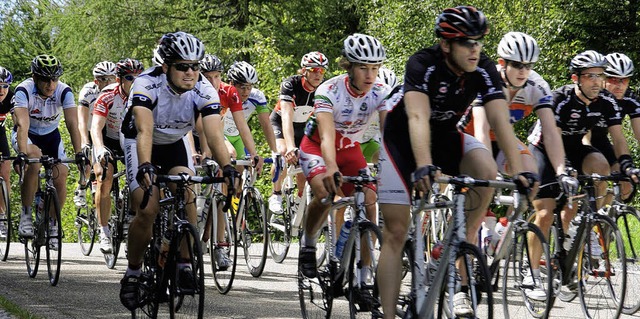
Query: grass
[(15, 310)]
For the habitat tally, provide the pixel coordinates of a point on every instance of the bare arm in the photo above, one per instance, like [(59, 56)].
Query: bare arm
[(327, 132), (245, 132), (498, 115), (481, 127), (263, 118), (83, 119), (212, 125), (620, 145), (71, 120), (286, 113), (586, 139), (144, 126), (97, 123), (552, 139), (22, 122), (419, 112), (635, 125)]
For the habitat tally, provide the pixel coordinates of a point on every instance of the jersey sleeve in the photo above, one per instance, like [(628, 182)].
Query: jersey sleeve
[(103, 104), (235, 102), (322, 102), (207, 101), (418, 68), (492, 88), (286, 90), (382, 90), (21, 98), (611, 111), (142, 93), (85, 97), (68, 100), (261, 102), (542, 97)]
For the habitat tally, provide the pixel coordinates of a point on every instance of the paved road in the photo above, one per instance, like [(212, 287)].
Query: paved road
[(87, 289)]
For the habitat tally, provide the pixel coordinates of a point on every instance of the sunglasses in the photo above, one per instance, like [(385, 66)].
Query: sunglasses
[(244, 87), (184, 67), (4, 86), (47, 79), (520, 65), (469, 43), (618, 81), (317, 70), (105, 79), (594, 76), (129, 77)]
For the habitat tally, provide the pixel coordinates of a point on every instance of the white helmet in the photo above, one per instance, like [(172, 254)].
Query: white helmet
[(620, 66), (180, 46), (518, 47), (314, 59), (104, 68), (157, 59), (387, 76), (242, 72), (365, 49), (587, 59)]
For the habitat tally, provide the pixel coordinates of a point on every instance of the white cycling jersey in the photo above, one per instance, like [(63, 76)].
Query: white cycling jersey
[(174, 114), (256, 102), (44, 113), (352, 113), (87, 97), (111, 104)]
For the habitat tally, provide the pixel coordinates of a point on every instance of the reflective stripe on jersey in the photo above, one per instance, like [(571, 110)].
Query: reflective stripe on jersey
[(173, 114), (111, 104), (44, 114), (256, 102)]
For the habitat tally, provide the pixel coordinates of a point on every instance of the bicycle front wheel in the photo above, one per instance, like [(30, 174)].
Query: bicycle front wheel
[(523, 294), (254, 233), (315, 297), (602, 270), (480, 291), (224, 253), (86, 228), (54, 238), (186, 287), (5, 222), (626, 217), (362, 292), (280, 230)]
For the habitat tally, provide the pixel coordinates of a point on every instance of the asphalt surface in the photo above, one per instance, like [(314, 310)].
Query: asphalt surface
[(87, 289)]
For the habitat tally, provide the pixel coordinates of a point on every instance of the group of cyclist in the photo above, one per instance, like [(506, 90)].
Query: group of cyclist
[(452, 115)]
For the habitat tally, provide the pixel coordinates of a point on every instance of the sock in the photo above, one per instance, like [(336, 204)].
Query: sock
[(26, 210), (464, 289), (308, 241), (133, 271), (536, 273), (105, 231)]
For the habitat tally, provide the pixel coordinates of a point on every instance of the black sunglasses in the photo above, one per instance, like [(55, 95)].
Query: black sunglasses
[(184, 67), (469, 43), (47, 79), (4, 86), (520, 65), (129, 77)]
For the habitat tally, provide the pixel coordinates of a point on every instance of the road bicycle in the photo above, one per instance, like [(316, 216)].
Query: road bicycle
[(47, 225), (175, 241), (120, 211), (86, 221), (6, 229), (346, 275)]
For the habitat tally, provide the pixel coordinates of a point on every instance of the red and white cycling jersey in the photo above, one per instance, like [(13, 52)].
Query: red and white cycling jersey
[(111, 104), (352, 113)]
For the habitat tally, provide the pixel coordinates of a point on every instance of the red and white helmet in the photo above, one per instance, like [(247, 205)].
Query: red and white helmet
[(314, 59)]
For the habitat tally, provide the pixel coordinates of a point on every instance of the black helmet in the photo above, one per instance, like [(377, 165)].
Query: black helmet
[(129, 66), (46, 66), (461, 22)]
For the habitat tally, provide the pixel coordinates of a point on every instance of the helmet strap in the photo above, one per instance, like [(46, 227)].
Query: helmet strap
[(508, 83), (172, 85), (581, 91)]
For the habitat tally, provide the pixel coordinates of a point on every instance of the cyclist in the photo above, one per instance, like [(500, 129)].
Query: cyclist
[(420, 138), (295, 104), (6, 94), (104, 73), (161, 110), (343, 108), (370, 143), (38, 105), (527, 92), (108, 112), (243, 77)]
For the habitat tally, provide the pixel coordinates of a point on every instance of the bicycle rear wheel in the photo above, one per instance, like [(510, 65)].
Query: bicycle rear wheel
[(86, 225), (148, 307), (602, 270), (5, 222), (362, 292), (119, 211), (186, 288), (479, 283), (316, 300), (254, 233), (626, 217), (521, 298), (223, 276), (280, 230), (33, 244), (54, 238)]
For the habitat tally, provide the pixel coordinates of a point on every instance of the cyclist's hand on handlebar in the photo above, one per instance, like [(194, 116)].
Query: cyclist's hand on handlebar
[(628, 167), (332, 180), (197, 158), (102, 154), (229, 173), (527, 184), (81, 159), (19, 162), (146, 175), (423, 178), (257, 162), (634, 173), (292, 156), (568, 184)]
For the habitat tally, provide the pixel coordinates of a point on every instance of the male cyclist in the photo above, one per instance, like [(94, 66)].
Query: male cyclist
[(162, 108), (38, 105), (108, 112), (420, 139)]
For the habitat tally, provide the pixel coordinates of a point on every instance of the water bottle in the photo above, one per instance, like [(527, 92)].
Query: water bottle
[(571, 232), (344, 235), (501, 227), (488, 226), (164, 249)]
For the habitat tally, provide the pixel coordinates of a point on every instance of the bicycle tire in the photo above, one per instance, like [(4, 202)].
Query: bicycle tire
[(406, 308), (517, 301), (363, 298), (627, 219), (119, 211), (186, 295), (602, 281), (480, 290), (254, 233), (86, 226), (280, 230), (33, 244), (321, 245), (224, 277), (149, 304), (5, 223), (54, 241), (314, 294)]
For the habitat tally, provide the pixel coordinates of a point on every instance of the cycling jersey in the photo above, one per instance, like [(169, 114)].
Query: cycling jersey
[(352, 113), (44, 113), (256, 102), (535, 95), (111, 104), (5, 107), (173, 114), (292, 90), (87, 98), (229, 98)]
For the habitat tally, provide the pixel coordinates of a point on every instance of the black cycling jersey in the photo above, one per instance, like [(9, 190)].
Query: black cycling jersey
[(292, 90)]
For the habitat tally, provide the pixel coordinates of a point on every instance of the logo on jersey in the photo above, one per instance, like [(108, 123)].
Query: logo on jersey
[(575, 115), (35, 111), (363, 107)]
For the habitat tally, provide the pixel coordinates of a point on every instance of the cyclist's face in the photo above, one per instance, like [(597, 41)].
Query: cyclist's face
[(517, 73), (214, 77), (126, 82), (315, 75), (105, 80), (46, 86), (182, 73), (364, 76), (617, 86), (244, 89), (4, 90), (591, 81), (464, 53)]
